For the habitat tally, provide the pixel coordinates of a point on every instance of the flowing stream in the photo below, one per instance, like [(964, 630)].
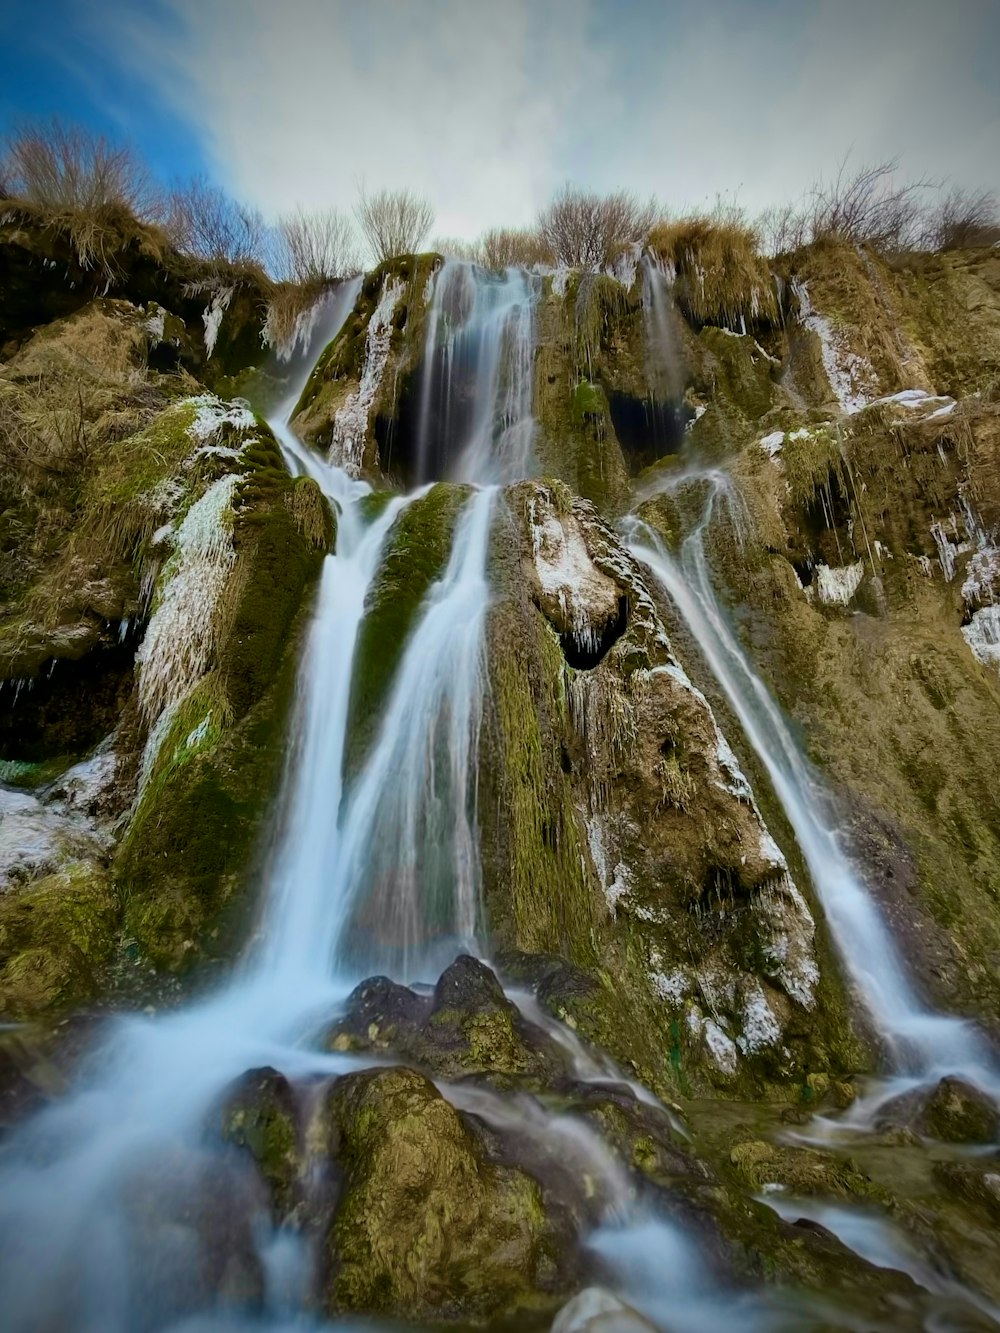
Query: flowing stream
[(923, 1045)]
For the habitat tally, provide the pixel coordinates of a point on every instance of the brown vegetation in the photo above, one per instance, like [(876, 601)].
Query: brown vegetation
[(515, 247), (720, 275), (203, 220), (393, 222), (316, 247), (588, 230)]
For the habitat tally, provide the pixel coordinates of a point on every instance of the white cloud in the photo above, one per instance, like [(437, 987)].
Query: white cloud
[(470, 103), (488, 107)]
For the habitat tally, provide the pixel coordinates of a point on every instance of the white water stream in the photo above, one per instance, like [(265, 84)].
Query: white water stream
[(475, 415), (924, 1045)]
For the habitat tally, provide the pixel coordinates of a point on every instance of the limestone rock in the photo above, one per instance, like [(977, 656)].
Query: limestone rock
[(468, 1026), (425, 1226)]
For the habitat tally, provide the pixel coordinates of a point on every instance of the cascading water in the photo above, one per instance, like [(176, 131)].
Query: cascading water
[(381, 872), (376, 868), (924, 1045), (474, 419)]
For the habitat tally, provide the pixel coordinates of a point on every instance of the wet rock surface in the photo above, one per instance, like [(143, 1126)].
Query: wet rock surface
[(953, 1111), (467, 1026)]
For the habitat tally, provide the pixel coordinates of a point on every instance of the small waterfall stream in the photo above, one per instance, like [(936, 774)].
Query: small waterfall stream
[(924, 1045), (475, 420)]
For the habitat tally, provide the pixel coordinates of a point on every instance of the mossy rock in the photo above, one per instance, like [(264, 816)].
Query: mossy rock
[(953, 1111), (192, 842), (803, 1171), (56, 937), (426, 1227), (467, 1027), (259, 1115), (416, 554)]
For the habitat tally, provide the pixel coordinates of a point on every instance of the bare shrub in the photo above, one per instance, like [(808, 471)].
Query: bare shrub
[(963, 220), (868, 206), (454, 247), (393, 222), (515, 247), (782, 229), (316, 247), (587, 230), (66, 169), (204, 220)]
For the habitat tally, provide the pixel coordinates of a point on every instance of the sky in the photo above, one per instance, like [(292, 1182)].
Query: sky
[(487, 107)]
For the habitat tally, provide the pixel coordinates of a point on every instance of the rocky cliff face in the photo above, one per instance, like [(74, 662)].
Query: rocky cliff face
[(639, 876)]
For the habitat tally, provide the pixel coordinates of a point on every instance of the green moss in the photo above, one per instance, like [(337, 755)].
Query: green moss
[(259, 1117), (425, 1226), (23, 773), (190, 846), (548, 905), (803, 1171), (56, 936), (417, 552), (575, 441)]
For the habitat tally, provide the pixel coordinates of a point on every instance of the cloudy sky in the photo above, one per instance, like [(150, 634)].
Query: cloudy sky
[(488, 106)]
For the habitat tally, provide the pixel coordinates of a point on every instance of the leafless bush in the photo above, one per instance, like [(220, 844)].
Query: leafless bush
[(964, 219), (65, 169), (868, 206), (586, 230), (394, 222), (515, 247), (453, 247), (316, 247), (204, 220), (782, 229)]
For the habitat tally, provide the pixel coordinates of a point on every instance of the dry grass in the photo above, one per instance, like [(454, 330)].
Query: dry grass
[(721, 277), (287, 303)]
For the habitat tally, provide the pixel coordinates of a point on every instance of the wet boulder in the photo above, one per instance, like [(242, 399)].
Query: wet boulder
[(974, 1183), (953, 1111), (957, 1112), (468, 1026), (801, 1171), (259, 1116), (425, 1225)]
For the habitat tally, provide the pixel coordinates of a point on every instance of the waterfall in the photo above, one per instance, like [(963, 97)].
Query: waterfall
[(383, 872), (474, 419), (662, 338), (923, 1045)]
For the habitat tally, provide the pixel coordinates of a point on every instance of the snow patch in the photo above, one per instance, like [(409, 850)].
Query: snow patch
[(760, 1028), (771, 444)]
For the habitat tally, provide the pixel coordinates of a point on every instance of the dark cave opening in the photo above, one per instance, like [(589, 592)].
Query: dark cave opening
[(583, 652)]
